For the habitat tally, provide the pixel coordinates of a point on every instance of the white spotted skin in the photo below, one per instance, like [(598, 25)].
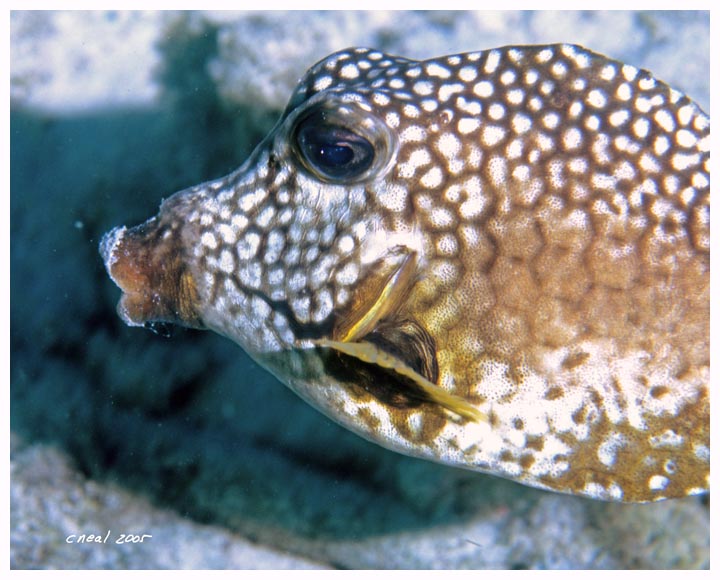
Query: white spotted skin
[(555, 204)]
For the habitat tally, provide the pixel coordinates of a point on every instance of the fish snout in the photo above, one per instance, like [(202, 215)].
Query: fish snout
[(147, 262)]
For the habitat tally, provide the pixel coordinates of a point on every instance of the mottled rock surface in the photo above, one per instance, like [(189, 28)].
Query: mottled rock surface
[(55, 510)]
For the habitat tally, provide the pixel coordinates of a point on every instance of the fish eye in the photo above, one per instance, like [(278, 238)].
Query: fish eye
[(342, 143), (332, 151)]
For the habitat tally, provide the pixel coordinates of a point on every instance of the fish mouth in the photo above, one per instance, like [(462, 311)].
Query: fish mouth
[(147, 263)]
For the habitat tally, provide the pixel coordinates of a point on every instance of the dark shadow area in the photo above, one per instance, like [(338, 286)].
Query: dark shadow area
[(189, 421)]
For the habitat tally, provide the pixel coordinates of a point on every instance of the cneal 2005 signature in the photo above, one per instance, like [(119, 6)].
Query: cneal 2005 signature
[(108, 538)]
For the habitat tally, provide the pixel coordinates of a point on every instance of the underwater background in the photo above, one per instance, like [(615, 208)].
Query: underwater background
[(184, 438)]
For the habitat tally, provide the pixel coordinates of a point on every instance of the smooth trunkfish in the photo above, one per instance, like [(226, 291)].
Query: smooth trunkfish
[(496, 260)]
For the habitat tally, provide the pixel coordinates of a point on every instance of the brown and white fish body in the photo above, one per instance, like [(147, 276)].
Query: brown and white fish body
[(496, 260)]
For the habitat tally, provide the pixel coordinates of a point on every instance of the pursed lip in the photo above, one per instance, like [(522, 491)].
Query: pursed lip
[(147, 264)]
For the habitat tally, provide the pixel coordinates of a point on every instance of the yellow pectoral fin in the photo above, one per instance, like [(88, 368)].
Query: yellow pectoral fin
[(369, 353), (385, 300)]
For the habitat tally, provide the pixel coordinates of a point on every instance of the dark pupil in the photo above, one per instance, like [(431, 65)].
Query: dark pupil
[(335, 155), (335, 152)]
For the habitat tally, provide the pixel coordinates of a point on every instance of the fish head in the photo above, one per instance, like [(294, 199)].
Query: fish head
[(497, 260)]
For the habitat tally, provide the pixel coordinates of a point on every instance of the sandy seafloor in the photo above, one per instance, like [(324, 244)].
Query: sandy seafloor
[(185, 438)]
